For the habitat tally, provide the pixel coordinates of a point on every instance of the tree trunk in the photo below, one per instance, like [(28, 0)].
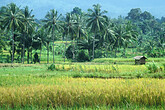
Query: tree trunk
[(32, 51), (22, 54), (65, 45), (93, 47), (53, 44), (48, 53), (12, 60), (78, 38), (53, 53)]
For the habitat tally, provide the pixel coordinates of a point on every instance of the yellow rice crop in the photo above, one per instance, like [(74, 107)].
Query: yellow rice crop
[(86, 92)]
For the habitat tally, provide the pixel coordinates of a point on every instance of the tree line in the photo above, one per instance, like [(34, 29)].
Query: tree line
[(92, 34)]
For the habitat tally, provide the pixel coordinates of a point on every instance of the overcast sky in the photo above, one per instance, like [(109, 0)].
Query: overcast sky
[(115, 8)]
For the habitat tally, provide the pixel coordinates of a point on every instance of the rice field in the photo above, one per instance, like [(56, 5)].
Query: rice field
[(103, 68), (86, 85), (80, 92)]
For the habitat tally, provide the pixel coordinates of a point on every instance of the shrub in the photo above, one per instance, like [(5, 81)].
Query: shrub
[(139, 75), (69, 53), (82, 56), (35, 59), (153, 68), (1, 59), (115, 69), (51, 67), (157, 75), (98, 54), (164, 66)]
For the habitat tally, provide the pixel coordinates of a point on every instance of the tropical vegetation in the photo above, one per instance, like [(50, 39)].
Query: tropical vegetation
[(95, 33), (81, 60)]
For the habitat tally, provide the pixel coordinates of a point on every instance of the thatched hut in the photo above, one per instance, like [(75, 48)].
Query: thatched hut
[(140, 60)]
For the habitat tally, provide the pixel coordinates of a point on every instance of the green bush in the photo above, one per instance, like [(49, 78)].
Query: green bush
[(35, 59), (1, 59), (82, 56), (69, 53), (52, 67), (164, 66), (153, 68), (5, 60), (139, 75), (157, 76), (98, 54)]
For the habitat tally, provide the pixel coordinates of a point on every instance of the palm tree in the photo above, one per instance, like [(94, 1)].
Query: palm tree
[(80, 27), (108, 37), (28, 24), (69, 29), (131, 35), (41, 36), (53, 23), (96, 21), (78, 30), (119, 37), (12, 20), (48, 39), (124, 34)]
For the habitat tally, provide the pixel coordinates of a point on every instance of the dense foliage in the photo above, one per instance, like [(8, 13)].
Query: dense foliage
[(93, 32)]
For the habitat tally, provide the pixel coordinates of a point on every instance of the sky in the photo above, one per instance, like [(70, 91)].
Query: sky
[(115, 8)]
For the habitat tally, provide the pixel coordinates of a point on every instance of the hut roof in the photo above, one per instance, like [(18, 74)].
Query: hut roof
[(139, 57)]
